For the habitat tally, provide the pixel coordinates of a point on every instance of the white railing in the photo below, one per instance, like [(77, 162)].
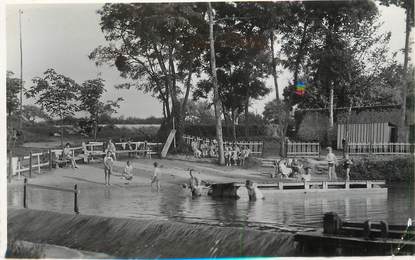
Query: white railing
[(378, 148), (303, 149), (33, 161), (256, 147)]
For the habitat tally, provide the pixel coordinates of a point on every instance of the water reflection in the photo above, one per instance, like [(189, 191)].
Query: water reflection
[(172, 202)]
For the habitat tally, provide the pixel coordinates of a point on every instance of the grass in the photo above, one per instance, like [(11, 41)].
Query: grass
[(18, 250)]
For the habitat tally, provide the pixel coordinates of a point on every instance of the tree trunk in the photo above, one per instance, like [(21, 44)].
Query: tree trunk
[(402, 131), (246, 112), (95, 129), (61, 131), (331, 114), (234, 115), (274, 68), (216, 98)]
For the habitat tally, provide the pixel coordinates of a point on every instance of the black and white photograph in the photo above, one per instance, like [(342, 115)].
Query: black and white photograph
[(196, 129)]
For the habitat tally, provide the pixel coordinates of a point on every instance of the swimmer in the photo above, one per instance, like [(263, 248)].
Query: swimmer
[(253, 191)]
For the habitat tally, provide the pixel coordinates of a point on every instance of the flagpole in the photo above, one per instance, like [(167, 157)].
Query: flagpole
[(21, 71)]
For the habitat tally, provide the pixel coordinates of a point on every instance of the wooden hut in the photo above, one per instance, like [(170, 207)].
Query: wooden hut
[(366, 133)]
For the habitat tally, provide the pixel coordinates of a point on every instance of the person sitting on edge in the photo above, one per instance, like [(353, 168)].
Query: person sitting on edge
[(331, 162), (127, 174), (307, 175), (346, 165), (253, 192), (284, 169), (67, 155)]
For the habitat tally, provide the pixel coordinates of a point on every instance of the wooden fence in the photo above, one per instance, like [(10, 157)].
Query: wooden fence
[(256, 147), (302, 149), (37, 161), (379, 148), (30, 163)]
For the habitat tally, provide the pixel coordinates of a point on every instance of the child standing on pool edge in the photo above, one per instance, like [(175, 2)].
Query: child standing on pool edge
[(108, 162), (155, 178), (346, 165), (331, 162)]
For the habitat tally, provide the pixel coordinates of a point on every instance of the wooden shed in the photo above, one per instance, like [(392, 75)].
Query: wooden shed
[(366, 133)]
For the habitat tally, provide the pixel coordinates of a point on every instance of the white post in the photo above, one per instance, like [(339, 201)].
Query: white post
[(38, 163)]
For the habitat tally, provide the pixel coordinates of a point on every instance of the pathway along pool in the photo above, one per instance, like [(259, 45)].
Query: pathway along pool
[(173, 203)]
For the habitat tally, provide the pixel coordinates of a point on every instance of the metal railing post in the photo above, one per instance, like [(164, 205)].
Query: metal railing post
[(25, 193), (50, 159), (76, 209)]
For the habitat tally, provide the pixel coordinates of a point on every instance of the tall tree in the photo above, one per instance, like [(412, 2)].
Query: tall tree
[(90, 94), (56, 94), (408, 5), (242, 60), (216, 98), (338, 50), (277, 112), (12, 91), (157, 46)]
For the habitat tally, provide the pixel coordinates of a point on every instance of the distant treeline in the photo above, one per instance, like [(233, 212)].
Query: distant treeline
[(113, 120)]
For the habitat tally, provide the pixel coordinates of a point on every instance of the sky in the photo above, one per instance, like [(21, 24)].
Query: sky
[(61, 36)]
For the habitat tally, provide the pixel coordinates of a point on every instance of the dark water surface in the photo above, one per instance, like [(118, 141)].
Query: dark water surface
[(174, 203)]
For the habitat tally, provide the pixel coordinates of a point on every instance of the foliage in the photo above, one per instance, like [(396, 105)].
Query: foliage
[(339, 45), (313, 127), (12, 90), (89, 95), (158, 47), (199, 112), (56, 94), (241, 63), (16, 249), (371, 167), (32, 112), (210, 131)]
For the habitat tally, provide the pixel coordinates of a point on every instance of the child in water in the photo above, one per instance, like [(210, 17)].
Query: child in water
[(155, 178), (128, 172), (253, 191), (108, 162)]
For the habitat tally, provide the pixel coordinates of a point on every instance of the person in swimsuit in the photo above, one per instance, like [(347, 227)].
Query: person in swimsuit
[(67, 155), (346, 165), (155, 178), (108, 162), (194, 185), (128, 172), (253, 191), (331, 162)]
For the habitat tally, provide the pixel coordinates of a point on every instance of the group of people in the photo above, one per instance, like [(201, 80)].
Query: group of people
[(332, 162), (293, 168), (234, 154), (204, 149)]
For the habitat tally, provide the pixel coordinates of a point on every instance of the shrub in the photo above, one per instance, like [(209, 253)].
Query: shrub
[(19, 250)]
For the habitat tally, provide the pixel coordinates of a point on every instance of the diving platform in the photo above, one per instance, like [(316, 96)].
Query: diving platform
[(234, 190)]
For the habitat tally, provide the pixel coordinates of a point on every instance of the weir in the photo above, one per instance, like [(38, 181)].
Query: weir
[(122, 237)]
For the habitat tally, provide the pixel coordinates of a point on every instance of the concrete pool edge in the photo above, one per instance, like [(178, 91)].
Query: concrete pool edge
[(123, 237)]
